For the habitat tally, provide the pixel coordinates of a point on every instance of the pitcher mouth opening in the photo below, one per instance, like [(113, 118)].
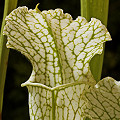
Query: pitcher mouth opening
[(56, 87)]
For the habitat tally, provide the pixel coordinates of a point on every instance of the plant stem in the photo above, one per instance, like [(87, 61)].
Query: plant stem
[(4, 52), (97, 9)]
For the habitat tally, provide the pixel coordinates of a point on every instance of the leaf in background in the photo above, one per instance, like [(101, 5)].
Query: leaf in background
[(104, 100), (59, 48)]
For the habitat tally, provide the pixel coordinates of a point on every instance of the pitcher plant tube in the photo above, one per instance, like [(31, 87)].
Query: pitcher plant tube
[(61, 85)]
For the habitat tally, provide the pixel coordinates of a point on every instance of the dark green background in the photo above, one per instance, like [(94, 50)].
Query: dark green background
[(15, 105)]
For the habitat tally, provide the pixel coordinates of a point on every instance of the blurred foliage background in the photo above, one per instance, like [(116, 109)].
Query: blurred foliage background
[(15, 105)]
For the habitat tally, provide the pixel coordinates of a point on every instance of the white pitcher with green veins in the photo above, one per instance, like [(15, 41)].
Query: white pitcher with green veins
[(61, 85)]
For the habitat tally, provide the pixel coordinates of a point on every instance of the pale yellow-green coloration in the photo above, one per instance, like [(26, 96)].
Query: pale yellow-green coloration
[(60, 50)]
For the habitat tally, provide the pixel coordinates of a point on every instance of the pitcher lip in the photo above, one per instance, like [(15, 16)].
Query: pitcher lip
[(56, 87)]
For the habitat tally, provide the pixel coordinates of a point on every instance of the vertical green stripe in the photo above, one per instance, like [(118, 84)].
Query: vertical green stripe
[(99, 10), (4, 52), (53, 104)]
